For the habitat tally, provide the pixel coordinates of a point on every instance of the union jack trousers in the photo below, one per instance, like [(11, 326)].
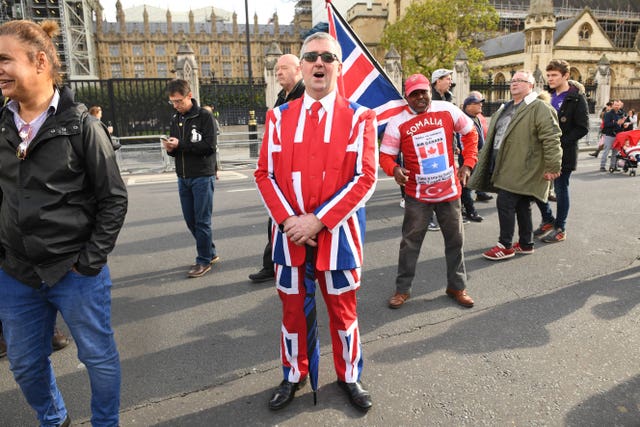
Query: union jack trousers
[(338, 289)]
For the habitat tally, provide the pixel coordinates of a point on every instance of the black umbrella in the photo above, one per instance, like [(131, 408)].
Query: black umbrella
[(313, 343)]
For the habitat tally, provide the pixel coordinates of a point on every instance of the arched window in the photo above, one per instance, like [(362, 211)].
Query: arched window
[(574, 74), (585, 32)]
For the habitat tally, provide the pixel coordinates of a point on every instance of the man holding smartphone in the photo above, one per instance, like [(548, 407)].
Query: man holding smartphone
[(192, 143)]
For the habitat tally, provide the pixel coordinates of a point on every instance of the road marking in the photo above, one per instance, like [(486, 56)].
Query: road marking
[(225, 176), (239, 190), (142, 181), (166, 179)]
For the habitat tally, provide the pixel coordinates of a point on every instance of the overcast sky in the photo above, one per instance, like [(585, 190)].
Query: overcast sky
[(264, 8)]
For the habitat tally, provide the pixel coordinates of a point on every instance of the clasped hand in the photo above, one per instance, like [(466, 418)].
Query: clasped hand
[(303, 229)]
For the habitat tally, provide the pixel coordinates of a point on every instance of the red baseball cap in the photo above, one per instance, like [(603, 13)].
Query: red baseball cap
[(416, 82)]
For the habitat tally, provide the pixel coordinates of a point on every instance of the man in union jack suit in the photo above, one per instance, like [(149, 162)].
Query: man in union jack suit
[(424, 134), (317, 168)]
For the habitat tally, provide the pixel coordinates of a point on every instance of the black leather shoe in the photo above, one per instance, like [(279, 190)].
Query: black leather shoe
[(59, 340), (359, 397), (285, 393), (474, 217), (483, 197), (3, 347), (263, 275), (66, 422)]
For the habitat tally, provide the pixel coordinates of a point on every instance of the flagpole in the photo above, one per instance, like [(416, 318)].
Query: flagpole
[(362, 79), (345, 24), (250, 74), (252, 124)]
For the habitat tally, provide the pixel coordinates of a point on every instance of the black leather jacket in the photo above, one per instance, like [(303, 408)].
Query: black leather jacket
[(65, 203)]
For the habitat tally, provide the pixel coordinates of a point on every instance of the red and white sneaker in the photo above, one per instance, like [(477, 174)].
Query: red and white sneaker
[(522, 251), (557, 235), (499, 252), (544, 229)]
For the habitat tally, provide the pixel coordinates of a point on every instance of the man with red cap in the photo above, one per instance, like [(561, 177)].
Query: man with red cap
[(424, 134)]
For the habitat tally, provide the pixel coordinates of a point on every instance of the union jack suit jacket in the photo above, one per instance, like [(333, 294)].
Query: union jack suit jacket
[(349, 179)]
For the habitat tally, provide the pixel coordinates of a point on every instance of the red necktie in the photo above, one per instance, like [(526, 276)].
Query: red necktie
[(315, 107)]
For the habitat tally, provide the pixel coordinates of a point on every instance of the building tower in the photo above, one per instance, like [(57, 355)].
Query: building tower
[(539, 28)]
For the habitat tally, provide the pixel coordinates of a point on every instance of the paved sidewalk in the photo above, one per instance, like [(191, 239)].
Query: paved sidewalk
[(564, 357), (552, 341)]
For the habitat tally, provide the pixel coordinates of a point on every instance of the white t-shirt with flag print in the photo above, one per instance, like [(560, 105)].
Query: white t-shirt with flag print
[(426, 141)]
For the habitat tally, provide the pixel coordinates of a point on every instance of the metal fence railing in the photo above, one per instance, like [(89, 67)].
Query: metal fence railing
[(138, 107), (141, 154), (145, 154)]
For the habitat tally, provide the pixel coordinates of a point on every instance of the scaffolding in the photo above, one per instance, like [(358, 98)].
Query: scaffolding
[(75, 43), (621, 25)]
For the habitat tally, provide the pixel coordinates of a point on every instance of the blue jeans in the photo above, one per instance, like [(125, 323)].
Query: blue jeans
[(561, 187), (28, 317), (608, 146), (196, 199)]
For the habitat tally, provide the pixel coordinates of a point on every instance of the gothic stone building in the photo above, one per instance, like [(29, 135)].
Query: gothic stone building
[(147, 48), (584, 32), (581, 40)]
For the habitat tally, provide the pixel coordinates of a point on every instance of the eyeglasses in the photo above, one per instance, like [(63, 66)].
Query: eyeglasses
[(177, 101), (519, 81), (327, 57), (25, 135)]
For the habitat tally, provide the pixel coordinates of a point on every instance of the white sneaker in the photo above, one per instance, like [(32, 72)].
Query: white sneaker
[(433, 227)]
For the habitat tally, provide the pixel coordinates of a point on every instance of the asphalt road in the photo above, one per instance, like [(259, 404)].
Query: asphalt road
[(553, 339)]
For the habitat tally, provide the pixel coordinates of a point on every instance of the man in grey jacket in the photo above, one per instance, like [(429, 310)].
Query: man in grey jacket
[(520, 158)]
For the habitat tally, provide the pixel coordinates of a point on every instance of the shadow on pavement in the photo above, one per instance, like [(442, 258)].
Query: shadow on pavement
[(522, 323), (252, 410), (619, 406)]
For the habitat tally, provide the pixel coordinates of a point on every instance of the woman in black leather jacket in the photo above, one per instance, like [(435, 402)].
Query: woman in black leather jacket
[(63, 204)]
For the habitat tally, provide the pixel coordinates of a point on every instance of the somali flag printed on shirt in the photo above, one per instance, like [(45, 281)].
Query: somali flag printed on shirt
[(430, 149), (435, 182)]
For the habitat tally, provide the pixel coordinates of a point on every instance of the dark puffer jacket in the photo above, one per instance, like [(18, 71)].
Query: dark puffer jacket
[(573, 119)]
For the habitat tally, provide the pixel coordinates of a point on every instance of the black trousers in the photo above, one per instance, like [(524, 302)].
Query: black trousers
[(512, 207), (267, 262)]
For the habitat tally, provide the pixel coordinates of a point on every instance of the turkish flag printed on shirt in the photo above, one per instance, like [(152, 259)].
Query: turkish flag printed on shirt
[(439, 191), (426, 139)]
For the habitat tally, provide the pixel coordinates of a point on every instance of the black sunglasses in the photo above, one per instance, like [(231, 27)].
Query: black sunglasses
[(327, 57)]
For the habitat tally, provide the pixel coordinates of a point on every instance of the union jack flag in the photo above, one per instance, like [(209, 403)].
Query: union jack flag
[(363, 80)]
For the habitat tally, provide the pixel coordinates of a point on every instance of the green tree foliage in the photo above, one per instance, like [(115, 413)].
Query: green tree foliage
[(433, 31)]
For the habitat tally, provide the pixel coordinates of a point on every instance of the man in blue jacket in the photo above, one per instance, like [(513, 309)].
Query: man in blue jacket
[(611, 124)]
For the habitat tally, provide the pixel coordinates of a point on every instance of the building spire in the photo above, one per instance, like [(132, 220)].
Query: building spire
[(541, 7)]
